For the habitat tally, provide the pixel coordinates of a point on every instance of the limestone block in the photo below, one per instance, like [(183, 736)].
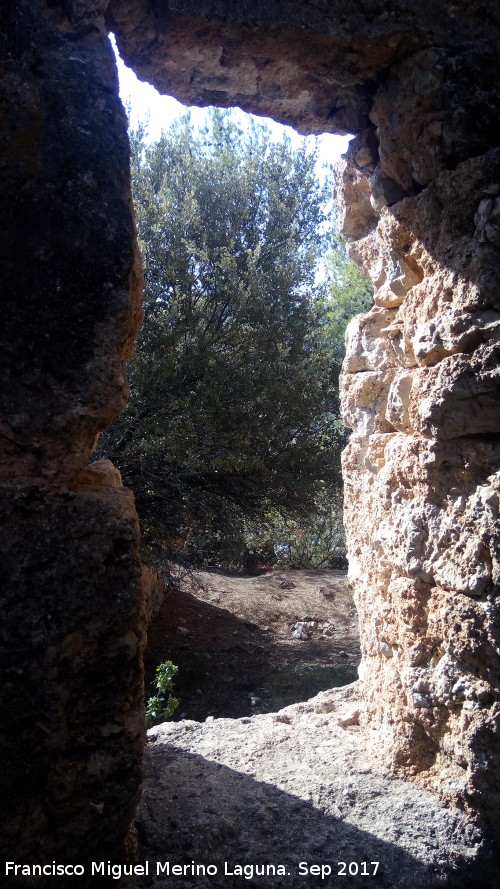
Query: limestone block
[(353, 195), (70, 270), (389, 254), (72, 617), (460, 396), (453, 331), (426, 570), (446, 91), (72, 636), (395, 280), (398, 401), (367, 372), (366, 347)]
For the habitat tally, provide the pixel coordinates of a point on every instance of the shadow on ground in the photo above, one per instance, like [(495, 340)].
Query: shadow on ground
[(200, 812), (232, 667)]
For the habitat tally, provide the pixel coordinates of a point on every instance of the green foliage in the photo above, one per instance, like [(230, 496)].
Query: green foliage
[(162, 706), (233, 413), (313, 541), (349, 294)]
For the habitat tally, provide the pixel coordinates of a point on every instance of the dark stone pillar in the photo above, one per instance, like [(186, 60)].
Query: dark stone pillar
[(71, 626)]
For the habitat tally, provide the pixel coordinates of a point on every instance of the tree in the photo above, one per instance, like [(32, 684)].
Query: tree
[(233, 413), (349, 293)]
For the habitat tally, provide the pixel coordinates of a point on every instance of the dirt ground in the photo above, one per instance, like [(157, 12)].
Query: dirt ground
[(232, 639)]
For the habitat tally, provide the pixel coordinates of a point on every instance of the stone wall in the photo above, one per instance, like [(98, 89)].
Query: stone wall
[(422, 187), (72, 623), (421, 393)]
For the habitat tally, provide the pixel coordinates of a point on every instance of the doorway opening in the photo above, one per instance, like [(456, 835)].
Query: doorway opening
[(232, 438)]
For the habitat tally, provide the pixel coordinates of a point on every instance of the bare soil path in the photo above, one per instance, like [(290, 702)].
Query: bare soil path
[(247, 645)]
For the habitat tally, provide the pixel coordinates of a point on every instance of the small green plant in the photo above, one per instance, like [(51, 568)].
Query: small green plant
[(162, 705)]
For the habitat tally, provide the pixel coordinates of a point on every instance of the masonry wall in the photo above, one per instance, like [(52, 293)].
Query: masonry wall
[(420, 392)]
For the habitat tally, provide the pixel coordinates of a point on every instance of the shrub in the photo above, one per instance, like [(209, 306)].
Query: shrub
[(162, 706)]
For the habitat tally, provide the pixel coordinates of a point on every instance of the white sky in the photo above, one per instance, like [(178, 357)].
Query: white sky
[(147, 102)]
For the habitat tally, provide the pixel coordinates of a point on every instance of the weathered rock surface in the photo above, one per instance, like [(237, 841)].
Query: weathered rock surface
[(72, 629), (421, 390), (72, 622), (296, 786), (70, 275), (311, 64)]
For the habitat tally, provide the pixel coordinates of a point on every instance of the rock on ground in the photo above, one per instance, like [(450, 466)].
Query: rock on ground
[(290, 787)]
